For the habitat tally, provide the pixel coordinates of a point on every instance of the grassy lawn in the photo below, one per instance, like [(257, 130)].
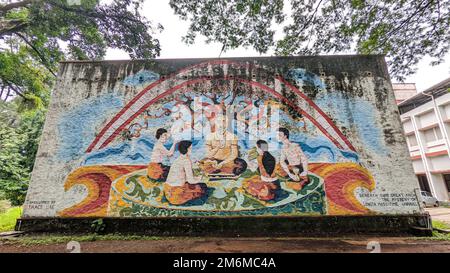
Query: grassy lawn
[(437, 235), (441, 225), (8, 218), (63, 239)]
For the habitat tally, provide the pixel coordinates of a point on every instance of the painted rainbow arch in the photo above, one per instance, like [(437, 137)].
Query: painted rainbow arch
[(179, 82)]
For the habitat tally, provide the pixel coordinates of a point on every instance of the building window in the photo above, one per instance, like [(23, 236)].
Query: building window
[(423, 183), (432, 134), (447, 181), (412, 140)]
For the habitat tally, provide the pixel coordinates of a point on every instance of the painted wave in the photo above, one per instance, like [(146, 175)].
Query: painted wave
[(138, 151)]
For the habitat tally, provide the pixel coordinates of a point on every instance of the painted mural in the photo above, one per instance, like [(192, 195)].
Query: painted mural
[(206, 144)]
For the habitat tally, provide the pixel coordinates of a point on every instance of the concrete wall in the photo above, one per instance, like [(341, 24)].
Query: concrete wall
[(101, 153)]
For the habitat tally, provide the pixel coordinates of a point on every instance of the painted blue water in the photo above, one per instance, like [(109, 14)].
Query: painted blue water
[(138, 151), (77, 127)]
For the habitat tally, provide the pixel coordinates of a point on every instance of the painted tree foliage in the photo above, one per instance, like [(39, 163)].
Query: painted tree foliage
[(404, 30)]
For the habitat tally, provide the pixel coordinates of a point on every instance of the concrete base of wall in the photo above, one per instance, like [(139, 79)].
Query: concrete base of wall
[(418, 224)]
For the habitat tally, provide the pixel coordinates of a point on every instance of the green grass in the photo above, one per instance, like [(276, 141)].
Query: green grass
[(438, 236), (62, 239), (8, 218), (441, 225)]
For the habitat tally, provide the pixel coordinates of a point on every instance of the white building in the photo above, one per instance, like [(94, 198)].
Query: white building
[(426, 123)]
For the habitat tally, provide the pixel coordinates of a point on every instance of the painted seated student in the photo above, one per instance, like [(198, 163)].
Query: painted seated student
[(222, 151), (265, 184), (181, 185), (293, 162), (156, 169)]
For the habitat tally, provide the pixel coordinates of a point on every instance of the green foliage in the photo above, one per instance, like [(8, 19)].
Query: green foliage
[(98, 226), (13, 175), (21, 75), (405, 31), (36, 35), (92, 27), (8, 218), (19, 134), (233, 23)]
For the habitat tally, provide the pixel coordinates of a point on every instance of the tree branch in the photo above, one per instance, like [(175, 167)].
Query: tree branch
[(419, 11), (311, 18), (7, 95), (42, 57), (11, 26), (18, 92)]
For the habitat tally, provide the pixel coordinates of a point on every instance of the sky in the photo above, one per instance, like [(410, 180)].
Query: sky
[(173, 47)]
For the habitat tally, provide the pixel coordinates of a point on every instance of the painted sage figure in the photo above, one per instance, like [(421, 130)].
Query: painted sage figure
[(222, 151)]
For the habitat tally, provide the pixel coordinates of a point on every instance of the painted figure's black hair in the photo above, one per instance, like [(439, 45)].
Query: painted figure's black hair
[(159, 132), (183, 146), (284, 131)]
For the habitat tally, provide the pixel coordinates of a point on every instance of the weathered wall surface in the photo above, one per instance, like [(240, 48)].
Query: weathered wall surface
[(101, 152)]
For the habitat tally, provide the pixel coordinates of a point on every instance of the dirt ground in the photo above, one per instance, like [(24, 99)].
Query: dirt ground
[(242, 245)]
